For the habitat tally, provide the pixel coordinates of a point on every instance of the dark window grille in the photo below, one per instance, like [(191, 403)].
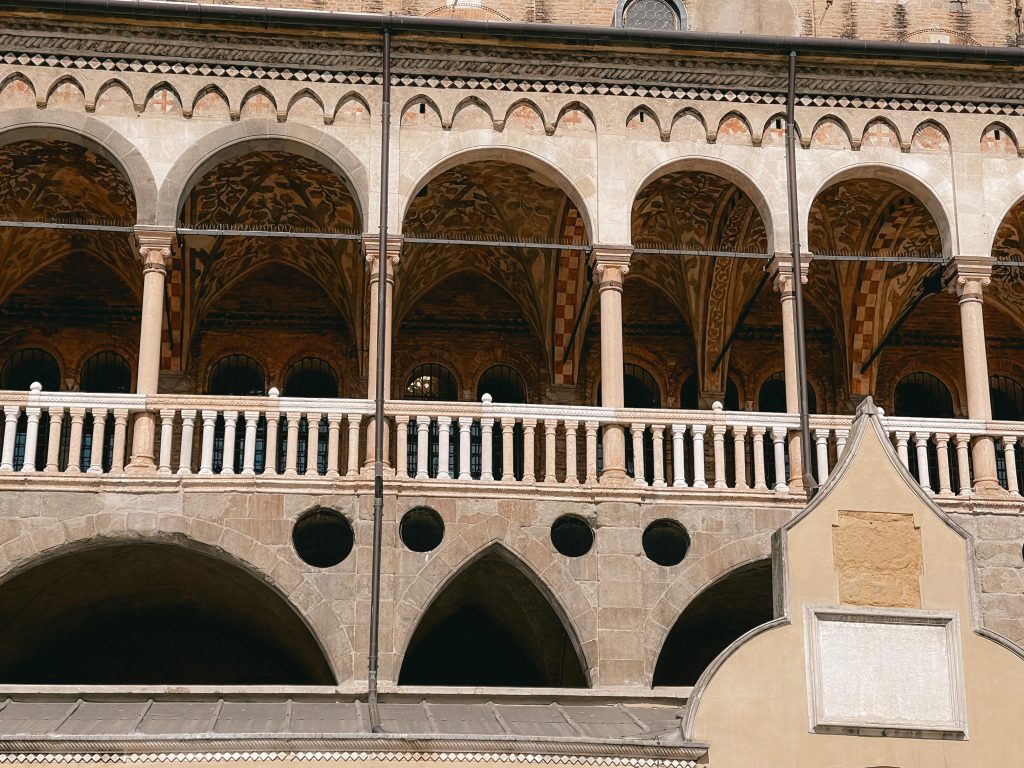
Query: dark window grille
[(237, 375), (311, 377), (505, 385), (432, 382), (924, 396), (106, 372), (27, 366), (772, 399), (1007, 398)]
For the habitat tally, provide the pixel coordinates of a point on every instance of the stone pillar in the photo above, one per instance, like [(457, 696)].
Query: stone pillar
[(155, 247), (968, 276), (371, 248), (610, 265), (782, 272)]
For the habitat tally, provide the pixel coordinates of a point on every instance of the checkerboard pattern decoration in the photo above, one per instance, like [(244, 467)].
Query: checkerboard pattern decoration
[(169, 361), (568, 286)]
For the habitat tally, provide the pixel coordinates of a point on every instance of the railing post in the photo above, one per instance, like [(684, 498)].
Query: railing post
[(312, 444), (444, 468), (11, 414), (188, 421), (841, 437), (639, 470), (291, 455), (699, 480), (739, 445), (206, 448), (333, 444), (658, 434), (942, 451), (166, 440), (487, 448), (1010, 459), (120, 438), (53, 443), (402, 447), (902, 438), (508, 467), (99, 424), (355, 422), (422, 447), (32, 414), (270, 446), (679, 456), (718, 445), (571, 435), (465, 447), (963, 443), (921, 443), (230, 430), (249, 447), (591, 445), (529, 451), (550, 435), (760, 481), (779, 443), (821, 448)]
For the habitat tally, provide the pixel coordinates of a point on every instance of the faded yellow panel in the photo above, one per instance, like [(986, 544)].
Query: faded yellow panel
[(878, 559)]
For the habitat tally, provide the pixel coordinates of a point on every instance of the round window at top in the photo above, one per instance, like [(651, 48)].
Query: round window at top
[(322, 537), (666, 542)]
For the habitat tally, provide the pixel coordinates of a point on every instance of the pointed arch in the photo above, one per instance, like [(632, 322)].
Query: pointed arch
[(305, 93), (421, 110), (163, 106), (689, 113), (61, 82), (473, 102), (348, 98), (521, 104), (875, 137), (731, 129), (250, 101), (930, 136), (209, 100), (830, 131), (517, 632), (576, 106), (774, 132)]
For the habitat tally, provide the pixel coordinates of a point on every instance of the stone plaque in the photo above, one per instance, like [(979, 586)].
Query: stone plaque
[(878, 559), (894, 672)]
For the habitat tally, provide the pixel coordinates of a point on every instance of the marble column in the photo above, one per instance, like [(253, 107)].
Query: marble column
[(782, 273), (371, 248)]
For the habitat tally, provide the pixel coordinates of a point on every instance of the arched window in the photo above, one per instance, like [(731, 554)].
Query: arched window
[(651, 14), (106, 372), (237, 375), (503, 383), (27, 366), (688, 394), (772, 397), (640, 388), (431, 382), (311, 377), (922, 395), (1007, 399)]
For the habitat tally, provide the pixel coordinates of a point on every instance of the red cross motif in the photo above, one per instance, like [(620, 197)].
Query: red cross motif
[(163, 101)]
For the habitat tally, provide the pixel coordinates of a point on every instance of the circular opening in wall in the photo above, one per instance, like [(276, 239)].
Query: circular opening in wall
[(421, 529), (322, 537), (666, 542), (572, 536)]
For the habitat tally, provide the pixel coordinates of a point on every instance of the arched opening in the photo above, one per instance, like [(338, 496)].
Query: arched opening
[(922, 395), (103, 372), (771, 398), (507, 386), (1007, 397), (311, 377), (434, 382), (19, 372), (238, 376), (151, 614), (493, 624), (725, 611), (640, 390)]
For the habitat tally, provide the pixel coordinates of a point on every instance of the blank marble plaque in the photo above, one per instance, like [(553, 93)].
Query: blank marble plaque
[(878, 671)]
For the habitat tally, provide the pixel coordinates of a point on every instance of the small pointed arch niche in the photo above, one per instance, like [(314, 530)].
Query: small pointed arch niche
[(494, 624)]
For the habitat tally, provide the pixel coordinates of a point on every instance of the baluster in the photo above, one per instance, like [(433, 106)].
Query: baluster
[(841, 437), (249, 446), (550, 435), (718, 444), (487, 448), (270, 444), (901, 448), (53, 443), (639, 470), (591, 441), (355, 423), (508, 425), (739, 446), (658, 434), (921, 442), (760, 483), (465, 447), (942, 449), (312, 444), (333, 444), (1010, 457), (11, 414), (291, 453), (444, 468), (529, 451), (821, 447), (402, 452), (166, 440), (698, 431), (230, 428), (120, 439), (779, 441), (188, 421), (206, 449), (963, 447), (422, 447), (99, 424), (33, 412), (679, 456), (571, 435)]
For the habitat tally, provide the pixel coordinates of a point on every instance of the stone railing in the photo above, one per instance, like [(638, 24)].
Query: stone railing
[(71, 433)]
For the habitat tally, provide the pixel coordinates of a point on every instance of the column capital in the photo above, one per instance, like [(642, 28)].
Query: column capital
[(155, 244), (371, 252), (781, 269), (968, 275), (610, 264)]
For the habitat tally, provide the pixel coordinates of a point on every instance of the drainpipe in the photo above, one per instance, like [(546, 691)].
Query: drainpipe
[(378, 423), (798, 291)]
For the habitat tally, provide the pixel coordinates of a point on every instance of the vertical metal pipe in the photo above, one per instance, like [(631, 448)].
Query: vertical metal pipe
[(810, 485), (378, 423)]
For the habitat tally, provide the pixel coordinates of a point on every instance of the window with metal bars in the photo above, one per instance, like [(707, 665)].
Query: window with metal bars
[(241, 376), (311, 377), (106, 372), (1007, 397), (435, 383), (507, 386), (27, 366), (923, 395)]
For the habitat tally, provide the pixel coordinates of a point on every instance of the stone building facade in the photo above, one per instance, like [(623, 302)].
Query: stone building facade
[(589, 363)]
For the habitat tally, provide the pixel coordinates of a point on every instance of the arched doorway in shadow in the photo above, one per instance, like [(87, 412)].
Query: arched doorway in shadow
[(494, 625), (728, 609), (151, 614)]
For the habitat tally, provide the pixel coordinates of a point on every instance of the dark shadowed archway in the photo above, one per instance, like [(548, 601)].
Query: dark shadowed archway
[(493, 625), (728, 609), (153, 614)]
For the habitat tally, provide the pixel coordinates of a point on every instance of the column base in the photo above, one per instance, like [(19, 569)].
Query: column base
[(989, 489), (616, 478), (140, 465)]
